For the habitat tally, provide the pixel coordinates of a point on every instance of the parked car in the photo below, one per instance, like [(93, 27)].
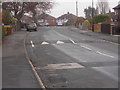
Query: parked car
[(31, 26)]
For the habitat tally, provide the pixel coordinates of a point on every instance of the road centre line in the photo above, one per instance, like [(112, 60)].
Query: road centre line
[(73, 41), (104, 54), (111, 42), (86, 47), (32, 44), (98, 52)]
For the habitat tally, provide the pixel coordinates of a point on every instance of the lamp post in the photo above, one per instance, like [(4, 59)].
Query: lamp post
[(76, 8), (92, 17), (76, 13)]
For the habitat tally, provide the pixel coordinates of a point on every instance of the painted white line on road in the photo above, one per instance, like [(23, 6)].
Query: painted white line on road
[(60, 42), (44, 43), (62, 66), (86, 47), (105, 54), (73, 41), (32, 44), (111, 42), (83, 61)]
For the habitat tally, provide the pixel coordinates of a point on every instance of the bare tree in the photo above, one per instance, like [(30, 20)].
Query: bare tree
[(103, 6), (19, 8)]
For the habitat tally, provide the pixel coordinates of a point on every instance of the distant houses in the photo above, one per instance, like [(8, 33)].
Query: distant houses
[(26, 19), (46, 19), (65, 19)]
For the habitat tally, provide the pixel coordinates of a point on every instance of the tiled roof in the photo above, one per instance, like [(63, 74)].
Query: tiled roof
[(117, 7), (68, 16), (46, 16)]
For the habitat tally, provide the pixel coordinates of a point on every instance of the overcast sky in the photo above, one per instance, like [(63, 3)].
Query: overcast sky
[(63, 6)]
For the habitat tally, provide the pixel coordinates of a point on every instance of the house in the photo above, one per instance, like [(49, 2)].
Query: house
[(117, 14), (26, 19), (46, 19), (64, 19), (116, 29), (112, 17)]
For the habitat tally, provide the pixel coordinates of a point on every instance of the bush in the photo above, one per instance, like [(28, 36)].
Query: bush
[(101, 18), (70, 22), (7, 18), (79, 20)]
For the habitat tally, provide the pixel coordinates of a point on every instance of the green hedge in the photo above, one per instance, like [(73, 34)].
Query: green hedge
[(101, 18)]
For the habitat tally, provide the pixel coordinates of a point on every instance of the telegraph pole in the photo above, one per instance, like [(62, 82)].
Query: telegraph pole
[(76, 8)]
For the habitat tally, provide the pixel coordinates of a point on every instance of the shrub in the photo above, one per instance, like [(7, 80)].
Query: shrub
[(101, 18)]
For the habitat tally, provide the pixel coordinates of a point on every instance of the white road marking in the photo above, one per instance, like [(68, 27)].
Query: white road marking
[(44, 43), (60, 42), (111, 42), (73, 41), (105, 54), (83, 61), (62, 66), (32, 44), (86, 47)]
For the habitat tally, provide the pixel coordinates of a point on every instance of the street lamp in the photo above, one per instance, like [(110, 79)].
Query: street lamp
[(76, 8), (92, 17)]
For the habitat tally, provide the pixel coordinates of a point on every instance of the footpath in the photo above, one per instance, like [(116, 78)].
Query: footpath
[(106, 37), (16, 71)]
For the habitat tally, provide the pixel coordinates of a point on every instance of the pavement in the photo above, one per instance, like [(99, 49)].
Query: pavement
[(16, 71), (108, 37)]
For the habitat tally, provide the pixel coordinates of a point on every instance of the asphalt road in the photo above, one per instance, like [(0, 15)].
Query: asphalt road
[(66, 58)]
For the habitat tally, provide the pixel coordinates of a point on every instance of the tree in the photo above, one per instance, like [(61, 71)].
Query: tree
[(88, 12), (101, 18), (103, 6), (40, 8), (70, 22), (6, 17), (19, 8)]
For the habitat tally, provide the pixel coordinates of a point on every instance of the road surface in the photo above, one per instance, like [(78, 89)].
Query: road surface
[(64, 57)]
